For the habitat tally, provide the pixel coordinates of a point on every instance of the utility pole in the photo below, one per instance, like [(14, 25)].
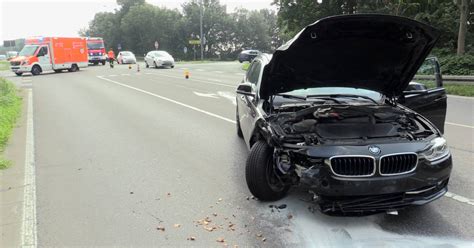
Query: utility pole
[(201, 10)]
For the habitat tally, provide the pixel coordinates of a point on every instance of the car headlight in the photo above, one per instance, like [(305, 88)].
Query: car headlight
[(437, 149)]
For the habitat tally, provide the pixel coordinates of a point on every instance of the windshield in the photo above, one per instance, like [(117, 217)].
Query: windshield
[(162, 54), (28, 50), (95, 45), (324, 91)]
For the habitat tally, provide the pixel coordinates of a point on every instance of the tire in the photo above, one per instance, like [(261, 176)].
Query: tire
[(36, 70), (172, 66), (259, 174), (146, 65), (103, 62), (73, 68), (57, 71), (19, 73), (237, 123), (156, 66)]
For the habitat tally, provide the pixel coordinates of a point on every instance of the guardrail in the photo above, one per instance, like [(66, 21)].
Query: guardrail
[(449, 79)]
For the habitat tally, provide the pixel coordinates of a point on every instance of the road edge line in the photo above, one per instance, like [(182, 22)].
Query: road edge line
[(459, 198), (29, 224), (459, 125), (169, 100)]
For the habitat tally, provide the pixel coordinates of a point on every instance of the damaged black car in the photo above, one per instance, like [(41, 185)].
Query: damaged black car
[(333, 110)]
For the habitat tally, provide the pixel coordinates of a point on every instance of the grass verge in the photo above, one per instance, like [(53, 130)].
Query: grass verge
[(10, 109), (4, 65)]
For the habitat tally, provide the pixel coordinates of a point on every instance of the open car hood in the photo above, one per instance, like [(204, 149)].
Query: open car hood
[(375, 52)]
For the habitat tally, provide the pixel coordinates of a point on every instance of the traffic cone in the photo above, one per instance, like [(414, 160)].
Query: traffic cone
[(138, 67), (186, 74)]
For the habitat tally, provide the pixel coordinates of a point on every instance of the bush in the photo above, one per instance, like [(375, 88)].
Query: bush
[(457, 65), (10, 107)]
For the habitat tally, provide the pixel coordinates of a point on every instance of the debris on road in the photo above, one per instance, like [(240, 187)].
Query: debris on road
[(161, 228), (290, 216), (220, 240), (192, 238), (131, 192), (177, 225)]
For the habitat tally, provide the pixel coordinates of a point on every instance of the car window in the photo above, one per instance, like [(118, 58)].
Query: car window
[(43, 51), (253, 72)]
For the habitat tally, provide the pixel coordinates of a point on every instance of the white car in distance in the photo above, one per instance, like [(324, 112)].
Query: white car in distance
[(159, 59), (126, 57)]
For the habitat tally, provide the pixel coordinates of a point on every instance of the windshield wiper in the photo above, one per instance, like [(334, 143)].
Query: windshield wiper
[(345, 95)]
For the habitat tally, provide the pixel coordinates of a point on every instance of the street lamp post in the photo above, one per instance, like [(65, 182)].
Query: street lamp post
[(200, 27)]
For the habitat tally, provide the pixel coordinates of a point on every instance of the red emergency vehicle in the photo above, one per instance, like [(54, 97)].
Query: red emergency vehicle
[(96, 50), (50, 53)]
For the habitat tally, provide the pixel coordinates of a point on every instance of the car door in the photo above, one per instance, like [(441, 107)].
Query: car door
[(44, 58), (430, 101), (246, 103)]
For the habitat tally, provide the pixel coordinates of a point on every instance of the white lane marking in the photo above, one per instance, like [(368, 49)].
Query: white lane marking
[(210, 95), (220, 72), (170, 100), (200, 70), (228, 95), (195, 80), (240, 74), (113, 75), (461, 97), (459, 125), (28, 228), (460, 198), (125, 74)]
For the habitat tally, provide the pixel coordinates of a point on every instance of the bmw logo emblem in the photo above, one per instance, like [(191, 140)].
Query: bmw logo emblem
[(374, 150)]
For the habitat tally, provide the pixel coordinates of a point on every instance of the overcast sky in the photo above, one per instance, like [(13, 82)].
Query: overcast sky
[(24, 18)]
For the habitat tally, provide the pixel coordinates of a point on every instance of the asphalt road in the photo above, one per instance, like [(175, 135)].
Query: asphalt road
[(120, 153)]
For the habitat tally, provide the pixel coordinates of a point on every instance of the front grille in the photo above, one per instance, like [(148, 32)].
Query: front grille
[(15, 63), (398, 164), (353, 166)]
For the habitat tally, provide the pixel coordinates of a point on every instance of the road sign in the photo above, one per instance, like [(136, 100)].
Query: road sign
[(185, 50), (157, 45), (194, 42)]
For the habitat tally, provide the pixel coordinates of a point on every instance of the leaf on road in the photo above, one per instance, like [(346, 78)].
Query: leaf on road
[(221, 240), (220, 199), (214, 214), (177, 225), (264, 239), (192, 238), (259, 235)]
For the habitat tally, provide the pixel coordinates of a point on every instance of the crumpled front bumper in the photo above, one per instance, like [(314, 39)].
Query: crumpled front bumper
[(364, 205), (377, 192)]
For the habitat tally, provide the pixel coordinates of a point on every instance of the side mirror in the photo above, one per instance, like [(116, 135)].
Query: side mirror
[(245, 89)]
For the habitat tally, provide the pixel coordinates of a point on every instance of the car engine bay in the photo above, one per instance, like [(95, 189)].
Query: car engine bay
[(346, 124)]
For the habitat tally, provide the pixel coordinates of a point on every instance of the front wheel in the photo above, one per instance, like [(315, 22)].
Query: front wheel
[(57, 71), (36, 70), (19, 73), (146, 65), (261, 176), (103, 62)]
